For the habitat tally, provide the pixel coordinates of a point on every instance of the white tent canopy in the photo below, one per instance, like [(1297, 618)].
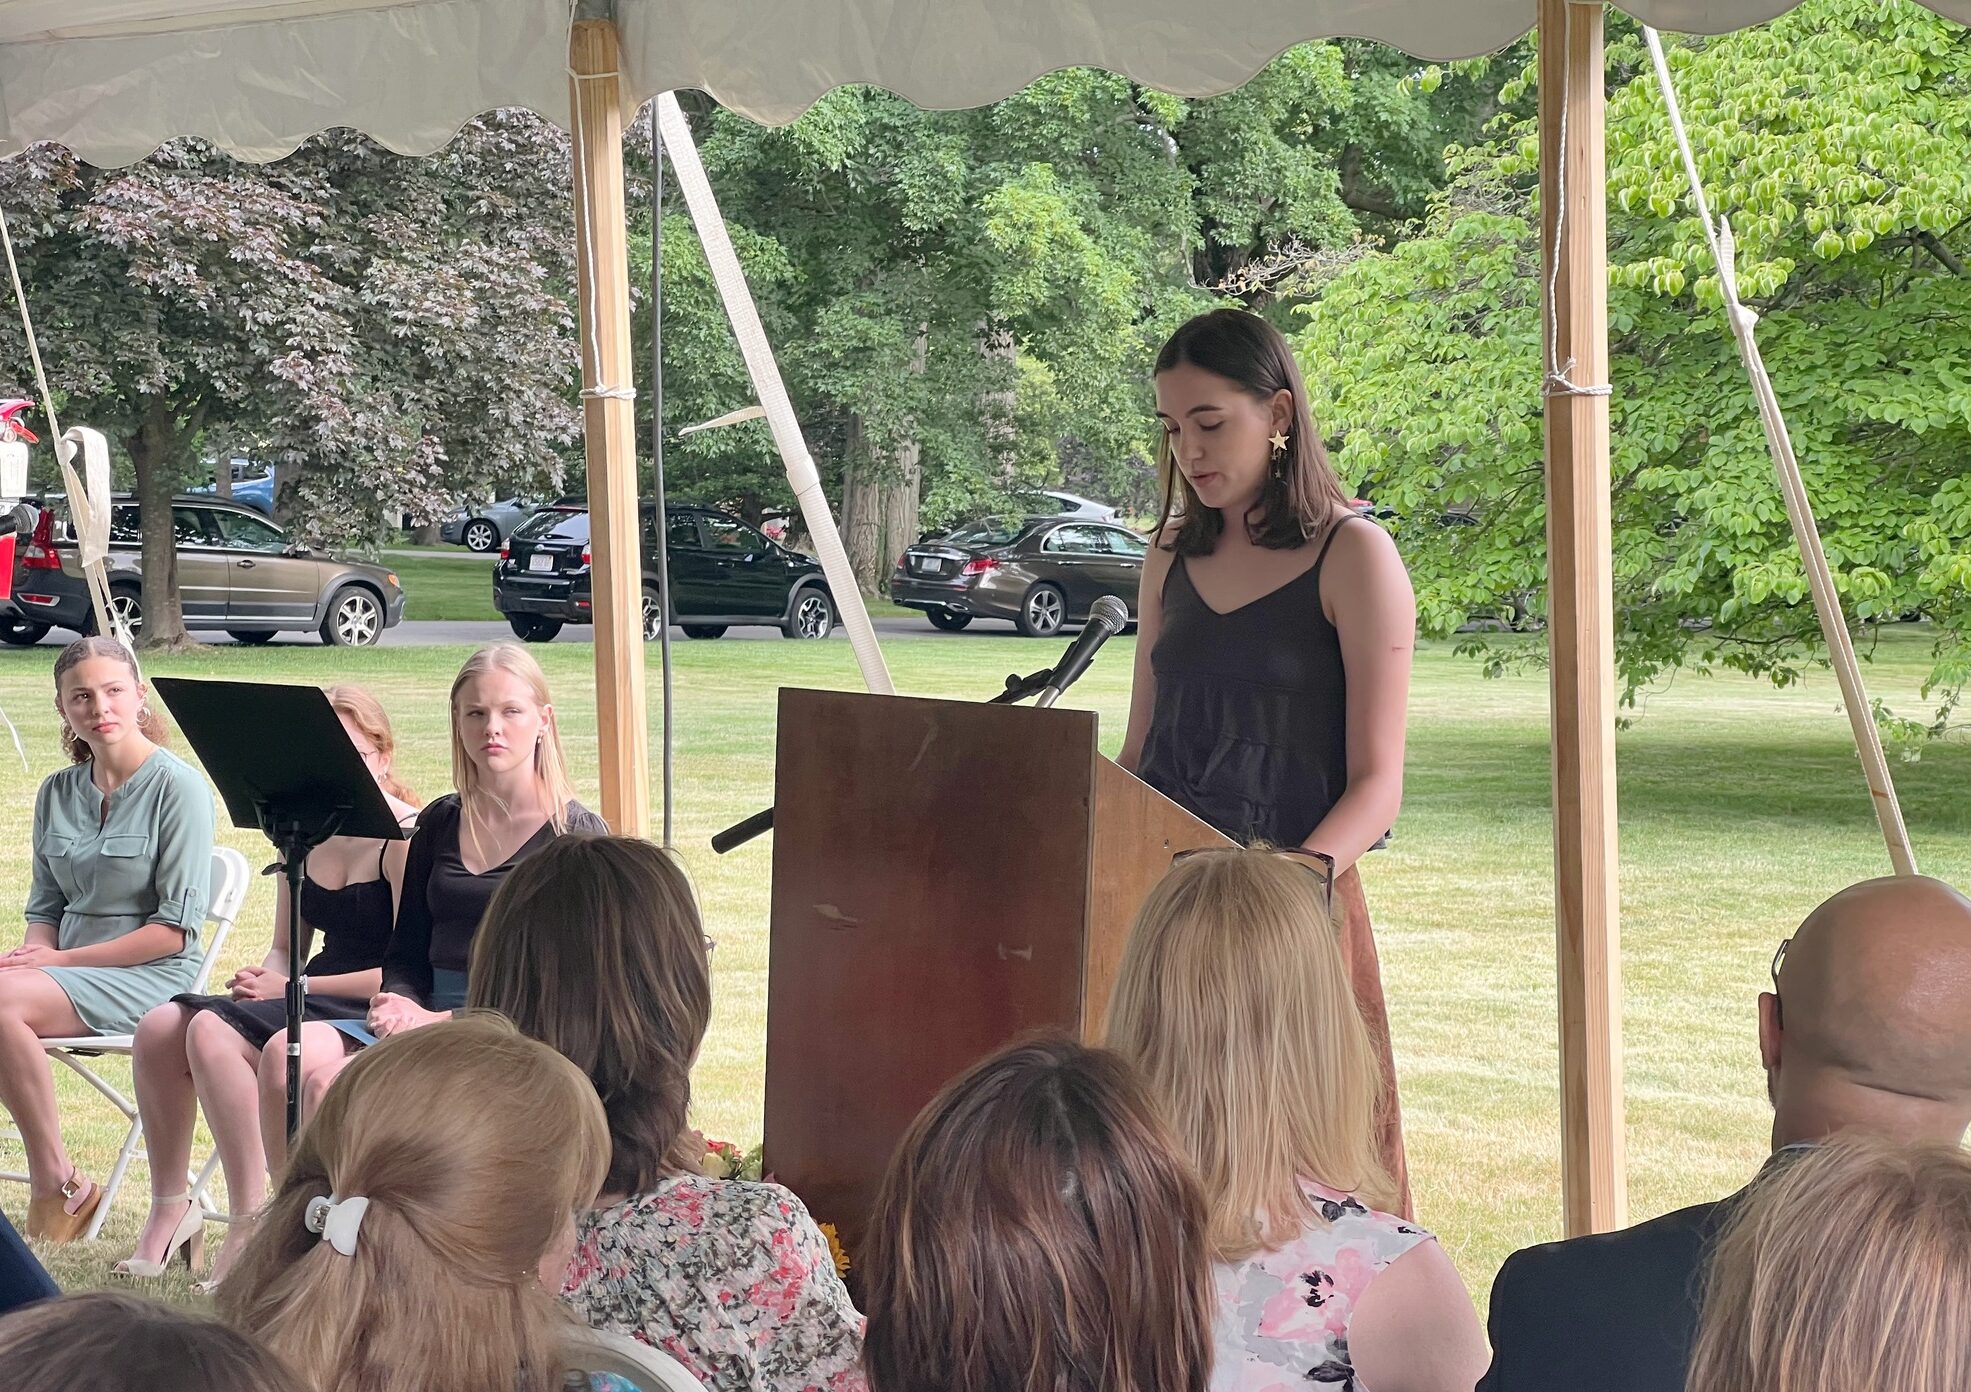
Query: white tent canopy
[(111, 79)]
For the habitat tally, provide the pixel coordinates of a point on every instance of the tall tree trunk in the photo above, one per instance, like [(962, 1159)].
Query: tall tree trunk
[(862, 509), (903, 485), (154, 451)]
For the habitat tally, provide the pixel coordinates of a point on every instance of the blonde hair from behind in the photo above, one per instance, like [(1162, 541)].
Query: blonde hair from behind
[(1847, 1269), (1233, 1001), (366, 713), (474, 1145), (550, 765)]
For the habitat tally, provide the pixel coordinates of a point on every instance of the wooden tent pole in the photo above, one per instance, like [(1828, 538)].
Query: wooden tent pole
[(609, 426), (1581, 623)]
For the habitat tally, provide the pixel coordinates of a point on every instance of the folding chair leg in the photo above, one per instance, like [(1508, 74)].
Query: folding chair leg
[(199, 1182), (133, 1139)]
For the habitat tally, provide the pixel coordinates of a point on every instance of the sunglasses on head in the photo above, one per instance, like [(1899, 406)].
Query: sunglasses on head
[(1317, 863)]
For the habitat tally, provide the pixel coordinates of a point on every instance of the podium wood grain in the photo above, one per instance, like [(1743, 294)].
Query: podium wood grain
[(946, 877)]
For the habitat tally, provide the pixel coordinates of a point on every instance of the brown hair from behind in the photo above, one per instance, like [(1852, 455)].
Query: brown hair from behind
[(1302, 493), (155, 727), (593, 945), (106, 1341), (1234, 1003), (1038, 1232), (474, 1146), (1847, 1269), (366, 713)]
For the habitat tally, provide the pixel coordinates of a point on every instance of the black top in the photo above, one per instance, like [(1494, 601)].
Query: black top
[(354, 922), (1249, 729), (443, 902), (1613, 1312)]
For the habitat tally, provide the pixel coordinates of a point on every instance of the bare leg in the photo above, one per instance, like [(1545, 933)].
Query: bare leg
[(224, 1067), (322, 1057), (33, 1007), (168, 1108)]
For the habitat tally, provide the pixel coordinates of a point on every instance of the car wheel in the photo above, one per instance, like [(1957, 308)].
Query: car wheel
[(22, 633), (126, 606), (814, 614), (948, 620), (532, 628), (481, 535), (704, 630), (652, 616), (1043, 611), (355, 620), (253, 638)]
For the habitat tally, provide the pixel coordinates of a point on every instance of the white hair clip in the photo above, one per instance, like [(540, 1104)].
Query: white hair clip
[(337, 1220)]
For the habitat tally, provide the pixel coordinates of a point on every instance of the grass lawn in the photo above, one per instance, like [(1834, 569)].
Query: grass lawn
[(1741, 807), (458, 585)]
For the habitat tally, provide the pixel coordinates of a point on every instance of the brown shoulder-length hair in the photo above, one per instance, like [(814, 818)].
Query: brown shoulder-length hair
[(1038, 1232), (150, 719), (107, 1341), (1302, 491), (1847, 1269), (475, 1147), (593, 945)]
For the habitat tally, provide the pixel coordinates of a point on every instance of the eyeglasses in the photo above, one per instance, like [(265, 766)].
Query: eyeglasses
[(1317, 863), (1779, 960)]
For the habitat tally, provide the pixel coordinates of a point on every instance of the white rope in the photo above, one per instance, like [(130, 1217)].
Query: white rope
[(1560, 377), (1799, 508), (802, 476), (609, 393)]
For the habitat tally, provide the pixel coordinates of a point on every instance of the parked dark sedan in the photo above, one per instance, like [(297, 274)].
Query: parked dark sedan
[(238, 573), (1040, 573), (723, 574)]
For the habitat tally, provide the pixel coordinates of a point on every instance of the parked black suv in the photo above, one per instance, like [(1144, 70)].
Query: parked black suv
[(723, 573)]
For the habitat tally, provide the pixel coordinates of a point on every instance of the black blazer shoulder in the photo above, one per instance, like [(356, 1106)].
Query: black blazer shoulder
[(1611, 1312)]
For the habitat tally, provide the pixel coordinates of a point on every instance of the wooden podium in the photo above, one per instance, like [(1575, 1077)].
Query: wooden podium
[(946, 877)]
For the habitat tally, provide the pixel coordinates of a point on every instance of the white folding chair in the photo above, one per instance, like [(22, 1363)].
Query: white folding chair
[(653, 1370), (226, 893)]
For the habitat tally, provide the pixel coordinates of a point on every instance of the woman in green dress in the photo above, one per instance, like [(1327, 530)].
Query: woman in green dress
[(122, 864)]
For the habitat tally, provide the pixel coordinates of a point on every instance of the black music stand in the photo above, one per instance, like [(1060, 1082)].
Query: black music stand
[(283, 763)]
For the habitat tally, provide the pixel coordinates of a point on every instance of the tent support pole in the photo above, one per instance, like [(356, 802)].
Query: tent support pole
[(1581, 622), (609, 426)]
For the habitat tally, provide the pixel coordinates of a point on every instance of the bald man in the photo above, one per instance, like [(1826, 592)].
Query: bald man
[(1867, 1027)]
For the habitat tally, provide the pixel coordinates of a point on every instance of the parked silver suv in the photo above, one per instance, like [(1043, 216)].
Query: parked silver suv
[(238, 573)]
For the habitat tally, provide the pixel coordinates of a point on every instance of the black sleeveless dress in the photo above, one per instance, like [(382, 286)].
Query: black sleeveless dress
[(1249, 730), (1249, 733), (354, 923)]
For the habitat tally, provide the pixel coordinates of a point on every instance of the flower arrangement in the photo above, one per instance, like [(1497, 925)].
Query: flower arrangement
[(724, 1160)]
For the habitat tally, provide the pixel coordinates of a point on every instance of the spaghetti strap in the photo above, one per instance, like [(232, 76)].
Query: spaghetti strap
[(1333, 532)]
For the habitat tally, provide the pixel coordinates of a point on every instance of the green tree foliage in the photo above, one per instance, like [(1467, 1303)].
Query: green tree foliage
[(394, 333), (965, 302), (1834, 139)]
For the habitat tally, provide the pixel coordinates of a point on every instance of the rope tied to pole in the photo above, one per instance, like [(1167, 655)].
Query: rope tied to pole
[(1793, 489)]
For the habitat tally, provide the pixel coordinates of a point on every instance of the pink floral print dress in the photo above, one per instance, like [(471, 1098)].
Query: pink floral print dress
[(1283, 1316), (732, 1279)]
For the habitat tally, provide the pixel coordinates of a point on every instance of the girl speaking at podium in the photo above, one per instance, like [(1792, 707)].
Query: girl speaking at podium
[(1275, 633)]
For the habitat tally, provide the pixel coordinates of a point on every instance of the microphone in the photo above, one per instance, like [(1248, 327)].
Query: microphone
[(1106, 619)]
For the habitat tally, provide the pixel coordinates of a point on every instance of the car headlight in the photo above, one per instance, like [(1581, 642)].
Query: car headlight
[(391, 576)]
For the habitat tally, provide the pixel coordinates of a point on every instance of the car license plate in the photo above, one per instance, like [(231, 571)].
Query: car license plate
[(930, 565), (540, 560)]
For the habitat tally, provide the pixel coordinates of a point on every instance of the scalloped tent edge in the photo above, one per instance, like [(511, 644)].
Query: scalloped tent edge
[(112, 79)]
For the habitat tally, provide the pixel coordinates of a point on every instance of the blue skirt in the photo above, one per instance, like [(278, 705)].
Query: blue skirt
[(447, 993)]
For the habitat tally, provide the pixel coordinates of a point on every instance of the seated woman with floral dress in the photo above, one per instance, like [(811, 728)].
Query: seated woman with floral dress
[(211, 1050), (594, 946)]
